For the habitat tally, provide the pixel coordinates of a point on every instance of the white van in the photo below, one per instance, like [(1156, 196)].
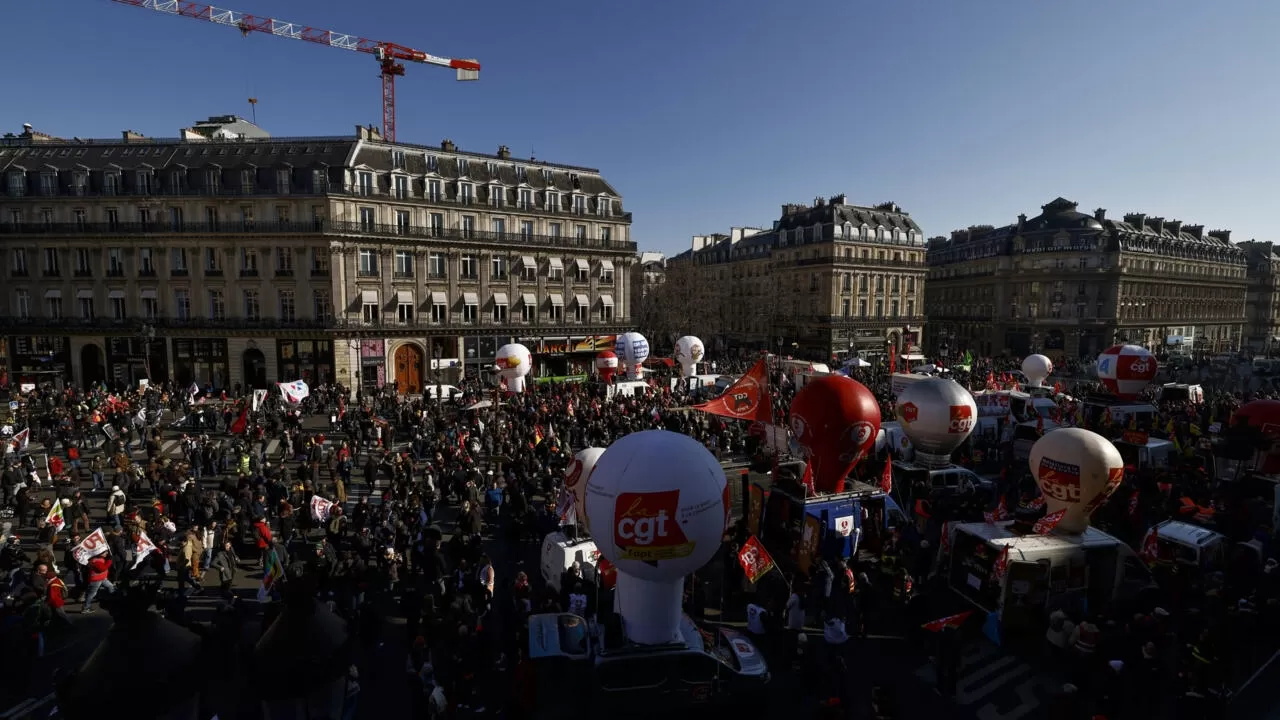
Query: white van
[(447, 393), (559, 553), (628, 388), (1181, 392), (1155, 454)]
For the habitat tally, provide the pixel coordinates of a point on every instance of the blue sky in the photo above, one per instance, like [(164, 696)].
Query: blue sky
[(706, 114)]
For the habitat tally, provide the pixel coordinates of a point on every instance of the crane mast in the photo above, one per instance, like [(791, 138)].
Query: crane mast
[(390, 56)]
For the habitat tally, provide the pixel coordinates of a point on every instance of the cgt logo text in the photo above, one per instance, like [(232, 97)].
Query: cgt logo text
[(961, 419), (645, 528)]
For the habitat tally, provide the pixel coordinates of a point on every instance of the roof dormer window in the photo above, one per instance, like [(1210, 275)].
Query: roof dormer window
[(433, 163), (546, 175), (464, 167), (522, 174)]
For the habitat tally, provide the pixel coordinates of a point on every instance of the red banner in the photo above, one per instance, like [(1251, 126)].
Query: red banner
[(754, 559), (747, 399)]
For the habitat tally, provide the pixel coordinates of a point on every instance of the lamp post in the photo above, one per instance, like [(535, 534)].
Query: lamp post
[(172, 651), (147, 333), (301, 662)]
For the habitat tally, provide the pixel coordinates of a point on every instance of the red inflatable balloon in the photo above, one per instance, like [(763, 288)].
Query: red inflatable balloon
[(1265, 416), (607, 365), (836, 419)]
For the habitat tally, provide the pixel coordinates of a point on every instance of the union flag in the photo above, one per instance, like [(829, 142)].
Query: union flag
[(746, 399)]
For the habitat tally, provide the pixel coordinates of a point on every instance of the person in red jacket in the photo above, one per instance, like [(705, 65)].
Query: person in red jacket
[(98, 570), (55, 592), (262, 534)]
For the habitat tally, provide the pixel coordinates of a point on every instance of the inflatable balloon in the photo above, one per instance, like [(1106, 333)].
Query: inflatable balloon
[(1077, 471), (632, 349), (1265, 416), (937, 414), (655, 506), (689, 352), (1037, 368), (1126, 370), (836, 420), (607, 365), (576, 477), (514, 362)]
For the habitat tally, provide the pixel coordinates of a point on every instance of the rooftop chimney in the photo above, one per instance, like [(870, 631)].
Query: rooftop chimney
[(819, 201), (1138, 220), (1100, 214), (840, 199), (1195, 231), (1173, 226), (504, 152), (130, 136), (447, 145), (1223, 235), (1156, 224)]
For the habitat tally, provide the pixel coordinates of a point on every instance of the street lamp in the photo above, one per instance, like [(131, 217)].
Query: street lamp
[(148, 335)]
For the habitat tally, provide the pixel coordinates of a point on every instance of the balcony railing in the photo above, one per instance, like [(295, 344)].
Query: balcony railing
[(169, 322), (875, 262), (589, 326), (324, 227), (569, 326), (881, 320)]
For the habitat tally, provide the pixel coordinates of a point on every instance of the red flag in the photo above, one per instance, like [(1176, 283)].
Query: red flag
[(886, 477), (950, 621), (1000, 513), (1151, 546), (1001, 566), (746, 399), (1134, 501), (754, 559), (241, 423), (342, 408), (1057, 388), (893, 361), (807, 480), (1036, 502), (1046, 524)]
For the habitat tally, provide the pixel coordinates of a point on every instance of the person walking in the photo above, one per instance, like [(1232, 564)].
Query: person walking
[(97, 572)]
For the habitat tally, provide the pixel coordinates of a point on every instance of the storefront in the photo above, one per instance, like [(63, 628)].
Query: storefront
[(373, 365), (308, 360), (567, 356), (130, 359), (40, 359), (202, 361)]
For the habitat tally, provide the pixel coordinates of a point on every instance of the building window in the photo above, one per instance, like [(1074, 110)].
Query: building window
[(212, 261), (403, 264), (526, 200), (437, 225), (498, 271), (580, 312), (246, 217), (364, 184), (288, 306), (368, 218), (369, 312), (282, 181), (252, 305), (20, 262), (844, 307), (51, 262), (53, 308), (439, 312), (582, 272), (368, 263), (178, 261), (554, 230), (466, 193), (555, 313), (469, 313), (23, 304), (319, 261), (606, 235), (84, 267), (862, 308), (400, 187), (118, 311), (181, 305), (284, 261), (86, 308), (497, 195), (499, 227), (579, 205), (499, 312), (528, 312), (403, 225), (555, 272), (529, 271), (249, 262), (436, 267), (464, 167), (211, 217), (879, 308), (470, 267), (893, 284), (150, 306), (579, 232), (606, 274), (911, 308), (322, 305), (468, 226), (433, 190), (115, 262), (893, 308), (526, 229), (404, 313), (911, 284), (397, 159), (146, 263), (606, 313), (217, 305), (553, 202)]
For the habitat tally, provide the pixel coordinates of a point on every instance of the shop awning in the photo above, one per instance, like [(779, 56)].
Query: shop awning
[(606, 300), (84, 294), (529, 299), (148, 294), (581, 300), (404, 297), (470, 299), (556, 263), (528, 261), (582, 264), (501, 299), (606, 266), (439, 298), (369, 297), (52, 293), (557, 299), (116, 294)]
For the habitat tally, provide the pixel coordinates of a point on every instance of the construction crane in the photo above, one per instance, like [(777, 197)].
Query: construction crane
[(388, 55)]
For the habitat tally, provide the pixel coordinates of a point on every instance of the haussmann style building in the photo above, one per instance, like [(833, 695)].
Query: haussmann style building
[(228, 257), (1071, 284)]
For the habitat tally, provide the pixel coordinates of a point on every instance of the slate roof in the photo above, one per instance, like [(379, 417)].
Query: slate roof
[(97, 155), (887, 215), (482, 168)]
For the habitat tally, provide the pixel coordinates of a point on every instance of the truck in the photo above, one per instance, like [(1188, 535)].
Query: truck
[(1090, 571)]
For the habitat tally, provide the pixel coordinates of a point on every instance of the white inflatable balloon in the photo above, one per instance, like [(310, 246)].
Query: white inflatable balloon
[(656, 506), (689, 352), (938, 415), (1037, 368), (632, 350), (514, 362), (1077, 471), (576, 477)]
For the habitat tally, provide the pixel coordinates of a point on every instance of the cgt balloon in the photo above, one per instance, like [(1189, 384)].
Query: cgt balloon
[(514, 362), (656, 508), (1077, 471), (1037, 368), (836, 420), (1126, 370), (689, 352), (938, 415), (576, 476), (632, 349)]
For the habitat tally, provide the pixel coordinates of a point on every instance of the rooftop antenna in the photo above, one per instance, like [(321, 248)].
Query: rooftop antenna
[(532, 155), (253, 109)]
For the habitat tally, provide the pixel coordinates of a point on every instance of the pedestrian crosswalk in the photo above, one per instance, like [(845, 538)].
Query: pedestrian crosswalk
[(994, 685)]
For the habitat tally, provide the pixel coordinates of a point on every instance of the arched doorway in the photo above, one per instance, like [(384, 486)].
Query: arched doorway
[(93, 365), (408, 369), (255, 369)]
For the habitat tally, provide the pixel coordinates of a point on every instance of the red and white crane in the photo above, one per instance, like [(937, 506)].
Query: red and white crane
[(388, 55)]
